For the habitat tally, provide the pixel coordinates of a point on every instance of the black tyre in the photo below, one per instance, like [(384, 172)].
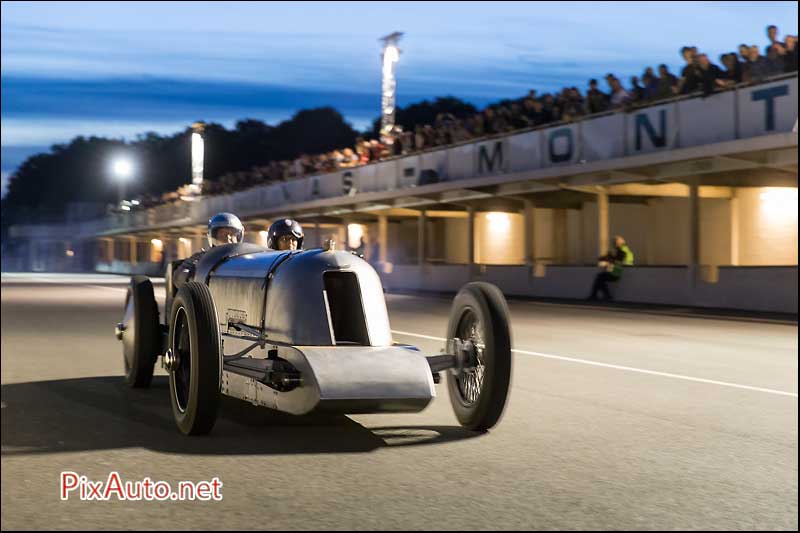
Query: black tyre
[(140, 333), (480, 314), (194, 379)]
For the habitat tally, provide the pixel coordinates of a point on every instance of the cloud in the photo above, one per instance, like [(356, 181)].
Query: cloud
[(122, 68), (149, 97)]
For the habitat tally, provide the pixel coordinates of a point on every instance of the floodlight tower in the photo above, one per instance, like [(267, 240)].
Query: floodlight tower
[(198, 151), (389, 58)]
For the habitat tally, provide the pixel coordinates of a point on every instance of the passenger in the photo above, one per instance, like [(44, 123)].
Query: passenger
[(225, 228), (613, 264), (285, 234)]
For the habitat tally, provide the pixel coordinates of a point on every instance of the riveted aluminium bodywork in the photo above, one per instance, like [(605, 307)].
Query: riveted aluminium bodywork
[(287, 297)]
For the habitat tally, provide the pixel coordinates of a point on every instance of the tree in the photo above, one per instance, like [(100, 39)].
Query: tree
[(425, 112), (313, 131), (79, 171)]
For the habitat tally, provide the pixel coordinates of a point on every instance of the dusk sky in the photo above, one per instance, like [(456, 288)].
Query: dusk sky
[(121, 68)]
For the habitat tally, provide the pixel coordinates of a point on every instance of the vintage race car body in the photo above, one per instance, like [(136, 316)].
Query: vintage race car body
[(306, 330), (324, 313)]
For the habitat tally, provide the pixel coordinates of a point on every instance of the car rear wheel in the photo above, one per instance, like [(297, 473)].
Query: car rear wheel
[(479, 326), (193, 360), (140, 333)]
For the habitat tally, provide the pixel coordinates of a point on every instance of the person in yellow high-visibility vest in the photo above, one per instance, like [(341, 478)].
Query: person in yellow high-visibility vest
[(612, 265)]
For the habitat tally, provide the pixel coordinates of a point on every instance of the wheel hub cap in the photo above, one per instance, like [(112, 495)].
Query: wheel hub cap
[(171, 361)]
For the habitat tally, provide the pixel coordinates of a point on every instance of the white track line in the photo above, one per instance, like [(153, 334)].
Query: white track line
[(118, 289), (628, 368), (591, 363)]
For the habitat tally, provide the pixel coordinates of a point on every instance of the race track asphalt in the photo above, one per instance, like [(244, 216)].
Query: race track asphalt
[(616, 420)]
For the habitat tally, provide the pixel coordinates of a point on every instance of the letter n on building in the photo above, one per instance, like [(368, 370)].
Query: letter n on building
[(658, 140)]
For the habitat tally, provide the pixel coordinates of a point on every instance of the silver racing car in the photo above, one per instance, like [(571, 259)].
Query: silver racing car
[(306, 330)]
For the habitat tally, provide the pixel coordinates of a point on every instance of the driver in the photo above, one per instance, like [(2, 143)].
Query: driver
[(225, 228), (285, 234)]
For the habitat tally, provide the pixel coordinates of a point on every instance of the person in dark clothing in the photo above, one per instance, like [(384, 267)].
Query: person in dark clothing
[(666, 82), (744, 52), (690, 76), (774, 61), (550, 109), (650, 82), (637, 92), (711, 77), (285, 234), (612, 264), (772, 35), (596, 100), (733, 69), (790, 57), (533, 112)]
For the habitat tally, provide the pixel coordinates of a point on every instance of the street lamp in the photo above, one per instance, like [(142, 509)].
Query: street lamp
[(389, 58), (123, 170)]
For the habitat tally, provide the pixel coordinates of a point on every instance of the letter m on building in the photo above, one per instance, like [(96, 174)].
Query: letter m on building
[(490, 163), (659, 140)]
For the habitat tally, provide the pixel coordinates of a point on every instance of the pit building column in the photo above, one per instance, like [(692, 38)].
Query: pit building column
[(528, 231), (694, 233), (133, 243), (422, 222), (471, 240), (602, 221), (383, 238)]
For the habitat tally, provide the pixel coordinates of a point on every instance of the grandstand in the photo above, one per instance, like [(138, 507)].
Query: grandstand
[(703, 186)]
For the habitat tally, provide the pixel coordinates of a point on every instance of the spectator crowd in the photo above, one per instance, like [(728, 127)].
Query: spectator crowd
[(700, 74)]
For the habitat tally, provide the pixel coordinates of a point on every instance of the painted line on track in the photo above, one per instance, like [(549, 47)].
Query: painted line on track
[(592, 363), (620, 367)]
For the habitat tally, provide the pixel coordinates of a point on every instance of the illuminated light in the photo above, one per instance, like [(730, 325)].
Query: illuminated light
[(498, 221), (779, 201), (157, 243), (123, 168), (70, 253), (354, 234), (198, 150), (135, 202), (125, 208), (390, 57), (186, 245)]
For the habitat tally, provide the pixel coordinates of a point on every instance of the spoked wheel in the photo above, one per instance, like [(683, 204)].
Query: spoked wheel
[(139, 332), (470, 380), (193, 360), (479, 334)]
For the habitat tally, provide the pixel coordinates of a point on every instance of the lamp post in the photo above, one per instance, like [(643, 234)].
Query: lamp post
[(123, 169), (389, 58)]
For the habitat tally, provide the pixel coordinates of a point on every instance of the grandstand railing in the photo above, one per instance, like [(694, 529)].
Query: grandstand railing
[(744, 111)]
